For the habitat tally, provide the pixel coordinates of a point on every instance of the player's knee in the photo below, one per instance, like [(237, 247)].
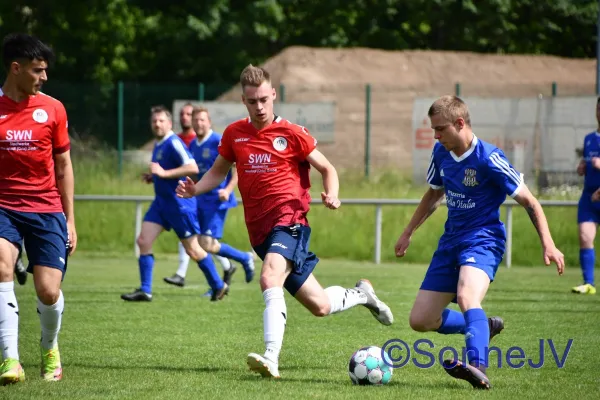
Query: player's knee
[(48, 295), (466, 302), (209, 244), (586, 240), (422, 323), (271, 277), (196, 253), (320, 309), (144, 244)]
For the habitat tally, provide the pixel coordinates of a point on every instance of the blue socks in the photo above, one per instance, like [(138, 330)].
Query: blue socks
[(452, 322), (587, 261), (477, 337), (207, 266), (233, 254), (146, 264)]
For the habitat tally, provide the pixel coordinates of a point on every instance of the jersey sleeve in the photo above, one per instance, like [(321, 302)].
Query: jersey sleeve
[(504, 174), (225, 147), (434, 178), (306, 143), (182, 153), (60, 132)]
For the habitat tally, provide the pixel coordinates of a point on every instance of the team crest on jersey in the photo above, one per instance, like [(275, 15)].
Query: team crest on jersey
[(40, 116), (159, 155), (470, 177), (280, 143), (206, 153)]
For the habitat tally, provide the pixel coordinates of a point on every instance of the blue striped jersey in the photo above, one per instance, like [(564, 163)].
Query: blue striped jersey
[(476, 184), (170, 152)]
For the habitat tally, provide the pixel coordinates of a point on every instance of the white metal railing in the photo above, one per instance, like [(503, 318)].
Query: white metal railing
[(378, 203)]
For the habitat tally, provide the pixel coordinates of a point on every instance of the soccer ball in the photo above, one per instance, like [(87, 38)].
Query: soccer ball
[(367, 367)]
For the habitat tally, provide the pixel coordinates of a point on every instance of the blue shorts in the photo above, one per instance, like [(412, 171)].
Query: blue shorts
[(292, 243), (212, 222), (183, 221), (45, 235), (587, 210), (442, 274)]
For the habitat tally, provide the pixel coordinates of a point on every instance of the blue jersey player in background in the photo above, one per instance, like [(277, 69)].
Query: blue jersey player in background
[(171, 160), (214, 205), (588, 210), (476, 177)]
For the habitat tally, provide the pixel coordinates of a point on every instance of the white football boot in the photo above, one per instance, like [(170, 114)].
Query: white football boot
[(264, 366), (378, 308)]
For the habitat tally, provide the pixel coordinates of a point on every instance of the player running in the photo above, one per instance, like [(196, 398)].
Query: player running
[(36, 201), (475, 176), (171, 160), (214, 205), (588, 210), (273, 158), (188, 136)]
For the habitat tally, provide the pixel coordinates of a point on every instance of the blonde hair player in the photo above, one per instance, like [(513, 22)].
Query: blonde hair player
[(273, 157), (476, 177)]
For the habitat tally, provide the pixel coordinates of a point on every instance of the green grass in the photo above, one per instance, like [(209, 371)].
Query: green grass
[(182, 346), (347, 233)]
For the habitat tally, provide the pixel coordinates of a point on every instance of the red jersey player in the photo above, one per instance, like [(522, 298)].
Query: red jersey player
[(273, 157), (187, 133), (36, 200)]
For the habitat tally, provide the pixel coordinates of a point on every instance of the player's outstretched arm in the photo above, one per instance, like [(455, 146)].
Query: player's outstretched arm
[(331, 182), (429, 203), (534, 209), (65, 182), (210, 180), (175, 173)]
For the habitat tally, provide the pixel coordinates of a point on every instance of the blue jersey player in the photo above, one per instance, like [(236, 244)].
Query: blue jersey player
[(171, 160), (475, 176), (588, 211), (214, 205)]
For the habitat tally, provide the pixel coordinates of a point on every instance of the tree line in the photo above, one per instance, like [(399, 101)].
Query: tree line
[(104, 41)]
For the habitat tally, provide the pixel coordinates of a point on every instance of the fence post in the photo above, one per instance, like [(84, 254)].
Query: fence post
[(120, 122), (201, 91), (138, 227), (282, 92), (367, 129), (457, 89), (509, 229), (378, 223)]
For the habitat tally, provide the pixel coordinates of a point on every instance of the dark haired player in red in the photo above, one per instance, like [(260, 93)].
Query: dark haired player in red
[(273, 157), (187, 133), (36, 200)]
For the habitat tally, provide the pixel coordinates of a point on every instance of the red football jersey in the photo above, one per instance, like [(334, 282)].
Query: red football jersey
[(187, 138), (273, 174), (31, 132)]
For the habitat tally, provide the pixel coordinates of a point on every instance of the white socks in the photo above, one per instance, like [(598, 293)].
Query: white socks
[(9, 321), (184, 261), (225, 263), (274, 320), (341, 299), (50, 321)]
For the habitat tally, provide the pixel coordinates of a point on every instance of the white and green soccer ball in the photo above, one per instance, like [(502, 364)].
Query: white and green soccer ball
[(367, 367)]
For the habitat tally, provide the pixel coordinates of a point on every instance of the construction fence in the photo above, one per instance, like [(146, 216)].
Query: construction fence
[(363, 127)]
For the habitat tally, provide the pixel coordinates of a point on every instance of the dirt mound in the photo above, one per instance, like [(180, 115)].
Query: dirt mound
[(397, 77)]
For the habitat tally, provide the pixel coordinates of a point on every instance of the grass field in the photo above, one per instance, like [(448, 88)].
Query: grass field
[(182, 346)]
